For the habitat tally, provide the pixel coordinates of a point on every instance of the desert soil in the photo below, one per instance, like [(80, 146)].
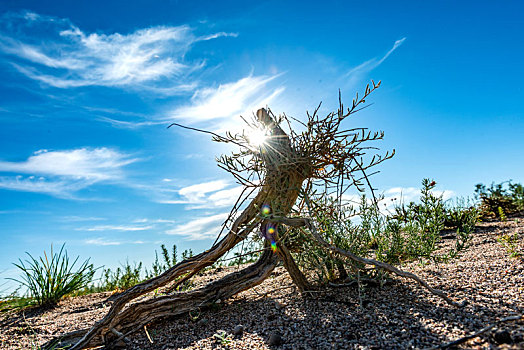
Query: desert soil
[(398, 315)]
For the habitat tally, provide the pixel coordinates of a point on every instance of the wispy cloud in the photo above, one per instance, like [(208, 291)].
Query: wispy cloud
[(96, 163), (394, 197), (100, 241), (61, 173), (196, 193), (75, 218), (124, 124), (408, 194), (154, 221), (56, 52), (373, 63), (398, 195), (201, 228), (228, 100), (115, 228), (206, 195), (62, 188)]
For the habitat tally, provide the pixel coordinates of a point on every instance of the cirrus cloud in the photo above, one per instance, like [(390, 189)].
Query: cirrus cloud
[(57, 53), (61, 173), (200, 228), (229, 100)]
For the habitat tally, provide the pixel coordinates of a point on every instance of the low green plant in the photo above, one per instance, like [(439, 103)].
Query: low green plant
[(15, 302), (413, 231), (159, 267), (500, 200), (335, 224), (249, 252), (123, 277), (48, 279), (186, 254), (223, 338), (462, 217), (422, 223), (510, 243), (128, 275)]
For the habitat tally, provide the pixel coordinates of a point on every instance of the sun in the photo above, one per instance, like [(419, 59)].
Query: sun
[(256, 137)]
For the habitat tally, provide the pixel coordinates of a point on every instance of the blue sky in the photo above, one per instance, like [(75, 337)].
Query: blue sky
[(88, 88)]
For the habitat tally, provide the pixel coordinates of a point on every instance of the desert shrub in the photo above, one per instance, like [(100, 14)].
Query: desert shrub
[(500, 200), (334, 222), (188, 253), (127, 275), (168, 261), (249, 252), (123, 277), (462, 217), (10, 301), (413, 231), (422, 222), (425, 223), (48, 279)]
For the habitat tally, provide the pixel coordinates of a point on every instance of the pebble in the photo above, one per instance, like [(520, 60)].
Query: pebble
[(238, 330), (502, 336), (275, 339)]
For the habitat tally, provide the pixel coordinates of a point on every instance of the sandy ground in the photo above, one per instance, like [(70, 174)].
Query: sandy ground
[(399, 315)]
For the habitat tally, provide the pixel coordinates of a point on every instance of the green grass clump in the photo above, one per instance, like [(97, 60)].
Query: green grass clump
[(48, 279)]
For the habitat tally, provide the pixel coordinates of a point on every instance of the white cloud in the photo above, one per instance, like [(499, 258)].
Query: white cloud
[(124, 124), (105, 242), (406, 194), (75, 218), (373, 63), (394, 197), (398, 195), (63, 188), (196, 193), (96, 164), (155, 221), (224, 198), (115, 228), (58, 53), (242, 97), (101, 242), (206, 195), (201, 228), (61, 173)]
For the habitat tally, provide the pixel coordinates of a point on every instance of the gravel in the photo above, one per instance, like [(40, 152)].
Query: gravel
[(399, 315)]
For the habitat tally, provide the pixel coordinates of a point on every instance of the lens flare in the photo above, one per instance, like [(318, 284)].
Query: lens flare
[(273, 246), (266, 210)]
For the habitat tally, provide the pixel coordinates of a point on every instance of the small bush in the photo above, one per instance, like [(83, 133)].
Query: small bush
[(127, 275), (158, 267), (413, 231), (48, 280), (422, 222), (122, 278), (499, 200)]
